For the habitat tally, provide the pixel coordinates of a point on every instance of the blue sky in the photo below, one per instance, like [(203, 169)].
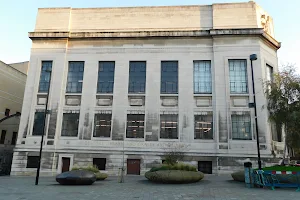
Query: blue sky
[(17, 18)]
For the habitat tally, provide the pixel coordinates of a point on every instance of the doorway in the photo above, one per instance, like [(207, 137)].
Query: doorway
[(205, 167), (133, 166), (65, 164)]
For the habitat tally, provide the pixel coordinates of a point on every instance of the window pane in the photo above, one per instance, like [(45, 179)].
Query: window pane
[(45, 76), (169, 77), (70, 124), (75, 77), (241, 127), (135, 126), (137, 77), (168, 126), (238, 76), (38, 125), (32, 162), (203, 127), (202, 77), (106, 74), (102, 125)]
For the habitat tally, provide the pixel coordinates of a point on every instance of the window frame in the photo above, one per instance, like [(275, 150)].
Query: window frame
[(237, 135), (135, 79), (106, 124), (163, 133), (200, 76), (70, 119), (205, 121), (109, 75), (78, 77), (3, 136), (137, 121), (166, 78), (39, 123), (243, 80)]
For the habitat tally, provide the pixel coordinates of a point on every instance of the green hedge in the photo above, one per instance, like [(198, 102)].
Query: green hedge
[(177, 166), (174, 176), (94, 169)]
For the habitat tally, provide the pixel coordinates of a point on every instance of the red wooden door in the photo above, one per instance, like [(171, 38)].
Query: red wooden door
[(65, 164), (133, 166)]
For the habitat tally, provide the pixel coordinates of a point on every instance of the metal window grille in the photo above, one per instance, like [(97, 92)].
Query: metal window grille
[(45, 76), (203, 127), (202, 77), (106, 73), (70, 124), (169, 126), (241, 127), (135, 126), (169, 77), (137, 77), (102, 124), (38, 125), (75, 77), (238, 76)]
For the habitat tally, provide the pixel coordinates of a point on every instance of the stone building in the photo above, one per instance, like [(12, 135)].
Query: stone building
[(129, 84), (12, 87)]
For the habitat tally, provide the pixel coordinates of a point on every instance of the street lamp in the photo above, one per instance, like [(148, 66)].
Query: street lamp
[(254, 57), (43, 133)]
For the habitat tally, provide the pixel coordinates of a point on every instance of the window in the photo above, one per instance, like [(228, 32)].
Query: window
[(203, 127), (70, 124), (45, 76), (135, 126), (270, 73), (7, 112), (205, 167), (169, 77), (202, 77), (14, 138), (168, 126), (3, 134), (102, 125), (241, 127), (32, 162), (75, 77), (106, 73), (238, 76), (100, 163), (137, 77), (38, 125)]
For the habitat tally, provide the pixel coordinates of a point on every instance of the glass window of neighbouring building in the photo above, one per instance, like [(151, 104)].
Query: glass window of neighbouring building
[(75, 77), (137, 77), (169, 126), (238, 76), (203, 127), (241, 127), (102, 124), (45, 76), (135, 126), (106, 73), (2, 138), (38, 125), (70, 124), (169, 77), (202, 77)]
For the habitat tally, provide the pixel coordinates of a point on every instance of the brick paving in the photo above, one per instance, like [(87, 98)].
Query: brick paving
[(212, 187)]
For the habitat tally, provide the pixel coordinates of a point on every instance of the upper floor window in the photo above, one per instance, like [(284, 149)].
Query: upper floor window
[(137, 77), (202, 77), (169, 77), (38, 125), (135, 126), (203, 127), (70, 124), (102, 125), (238, 76), (169, 126), (241, 127), (45, 76), (270, 73), (106, 73), (75, 77)]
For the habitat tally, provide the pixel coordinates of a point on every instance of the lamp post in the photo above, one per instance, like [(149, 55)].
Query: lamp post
[(254, 57), (43, 133)]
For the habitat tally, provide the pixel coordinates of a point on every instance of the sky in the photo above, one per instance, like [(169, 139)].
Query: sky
[(17, 18)]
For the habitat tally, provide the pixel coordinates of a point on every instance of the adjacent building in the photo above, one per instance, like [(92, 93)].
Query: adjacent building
[(129, 84), (12, 87)]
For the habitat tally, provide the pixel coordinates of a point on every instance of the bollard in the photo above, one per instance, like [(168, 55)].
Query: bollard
[(248, 174)]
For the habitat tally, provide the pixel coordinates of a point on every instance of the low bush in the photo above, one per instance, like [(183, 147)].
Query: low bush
[(176, 166), (94, 169), (100, 176)]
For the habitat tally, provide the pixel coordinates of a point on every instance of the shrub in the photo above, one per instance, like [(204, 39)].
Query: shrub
[(100, 176), (91, 168), (177, 166)]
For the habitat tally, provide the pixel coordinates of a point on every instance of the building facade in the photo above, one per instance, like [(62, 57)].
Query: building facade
[(12, 87), (130, 84)]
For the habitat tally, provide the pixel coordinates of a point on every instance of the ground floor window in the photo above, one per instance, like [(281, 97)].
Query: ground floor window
[(70, 124), (241, 127), (205, 167), (203, 127), (169, 126), (102, 125), (2, 138), (135, 126), (32, 161), (100, 163)]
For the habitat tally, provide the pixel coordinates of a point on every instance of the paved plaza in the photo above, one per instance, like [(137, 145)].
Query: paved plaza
[(212, 187)]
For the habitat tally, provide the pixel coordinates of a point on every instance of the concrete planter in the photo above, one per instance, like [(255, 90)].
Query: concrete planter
[(174, 176), (238, 176)]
